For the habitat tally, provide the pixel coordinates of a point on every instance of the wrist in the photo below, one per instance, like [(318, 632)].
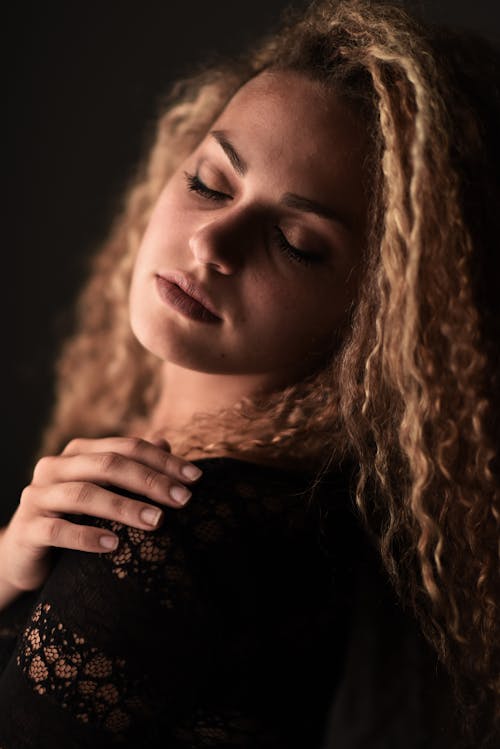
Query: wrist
[(8, 590), (4, 555)]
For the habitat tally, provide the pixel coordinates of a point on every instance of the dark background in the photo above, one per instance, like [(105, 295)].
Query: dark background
[(83, 83)]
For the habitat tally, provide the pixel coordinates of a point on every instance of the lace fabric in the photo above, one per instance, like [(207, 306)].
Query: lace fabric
[(224, 627), (59, 663)]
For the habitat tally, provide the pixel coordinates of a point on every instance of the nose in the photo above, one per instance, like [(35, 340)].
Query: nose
[(221, 241)]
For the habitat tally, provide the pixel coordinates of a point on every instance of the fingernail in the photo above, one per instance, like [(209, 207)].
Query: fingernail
[(108, 542), (191, 471), (151, 516), (180, 494)]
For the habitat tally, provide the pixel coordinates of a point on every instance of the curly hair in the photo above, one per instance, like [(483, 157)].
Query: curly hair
[(411, 395)]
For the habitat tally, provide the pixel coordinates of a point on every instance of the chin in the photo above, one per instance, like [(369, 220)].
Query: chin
[(148, 341), (171, 345)]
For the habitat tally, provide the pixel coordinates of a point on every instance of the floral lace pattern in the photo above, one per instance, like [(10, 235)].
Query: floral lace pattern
[(82, 678), (154, 559), (215, 729), (174, 638)]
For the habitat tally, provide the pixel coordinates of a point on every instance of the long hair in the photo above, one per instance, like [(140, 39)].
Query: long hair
[(412, 393)]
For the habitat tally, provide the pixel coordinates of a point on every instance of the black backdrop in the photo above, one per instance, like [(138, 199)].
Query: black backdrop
[(83, 82)]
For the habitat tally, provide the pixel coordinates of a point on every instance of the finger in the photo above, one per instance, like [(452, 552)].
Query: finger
[(111, 468), (142, 451), (162, 443), (79, 497), (50, 531)]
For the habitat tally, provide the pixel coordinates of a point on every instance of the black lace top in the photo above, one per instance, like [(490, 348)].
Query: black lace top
[(236, 624)]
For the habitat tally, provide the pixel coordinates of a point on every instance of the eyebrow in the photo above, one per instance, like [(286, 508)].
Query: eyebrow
[(312, 206), (239, 164), (289, 199)]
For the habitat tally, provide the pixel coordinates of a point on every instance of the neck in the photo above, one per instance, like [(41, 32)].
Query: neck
[(185, 393)]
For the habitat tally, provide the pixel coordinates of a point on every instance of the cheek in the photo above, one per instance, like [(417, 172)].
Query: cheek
[(299, 316), (167, 220), (164, 232)]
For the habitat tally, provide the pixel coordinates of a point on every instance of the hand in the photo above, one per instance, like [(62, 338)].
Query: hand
[(74, 482)]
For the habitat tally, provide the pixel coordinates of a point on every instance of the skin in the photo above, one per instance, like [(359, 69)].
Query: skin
[(278, 313), (279, 308), (75, 482)]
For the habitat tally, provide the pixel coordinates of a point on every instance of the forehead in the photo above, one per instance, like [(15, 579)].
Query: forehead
[(295, 127), (288, 104)]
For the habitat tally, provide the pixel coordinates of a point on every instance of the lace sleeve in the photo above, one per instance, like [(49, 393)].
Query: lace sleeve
[(167, 636), (12, 619), (85, 661)]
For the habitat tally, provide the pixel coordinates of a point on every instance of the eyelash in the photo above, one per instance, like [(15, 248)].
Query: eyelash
[(195, 184), (306, 258)]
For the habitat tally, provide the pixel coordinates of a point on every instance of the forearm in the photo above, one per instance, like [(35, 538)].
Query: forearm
[(8, 592)]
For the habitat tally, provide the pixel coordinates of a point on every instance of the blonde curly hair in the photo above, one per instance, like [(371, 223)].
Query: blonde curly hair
[(411, 395)]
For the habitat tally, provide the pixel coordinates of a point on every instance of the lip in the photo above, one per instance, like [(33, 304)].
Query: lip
[(180, 292)]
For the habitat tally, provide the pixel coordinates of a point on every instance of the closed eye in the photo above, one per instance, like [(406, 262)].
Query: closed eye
[(195, 184), (293, 253)]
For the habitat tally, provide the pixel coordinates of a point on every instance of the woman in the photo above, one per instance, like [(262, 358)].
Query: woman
[(300, 287)]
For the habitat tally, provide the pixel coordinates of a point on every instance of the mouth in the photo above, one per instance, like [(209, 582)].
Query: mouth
[(181, 294)]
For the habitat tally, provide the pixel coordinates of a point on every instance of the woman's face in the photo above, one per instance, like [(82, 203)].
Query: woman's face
[(267, 218)]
